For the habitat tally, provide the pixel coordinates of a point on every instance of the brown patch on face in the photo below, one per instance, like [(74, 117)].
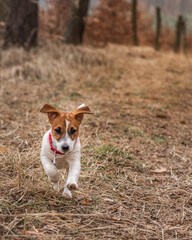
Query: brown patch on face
[(58, 121), (73, 128), (59, 127)]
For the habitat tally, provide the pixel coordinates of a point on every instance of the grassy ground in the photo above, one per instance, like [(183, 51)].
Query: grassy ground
[(136, 173)]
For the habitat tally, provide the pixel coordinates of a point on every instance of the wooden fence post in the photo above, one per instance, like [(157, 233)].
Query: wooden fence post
[(178, 33), (158, 27), (134, 22), (184, 33)]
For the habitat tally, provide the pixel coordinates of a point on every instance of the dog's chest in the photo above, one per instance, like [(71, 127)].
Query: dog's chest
[(60, 163)]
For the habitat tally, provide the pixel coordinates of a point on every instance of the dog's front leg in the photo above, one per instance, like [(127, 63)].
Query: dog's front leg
[(73, 172), (51, 171)]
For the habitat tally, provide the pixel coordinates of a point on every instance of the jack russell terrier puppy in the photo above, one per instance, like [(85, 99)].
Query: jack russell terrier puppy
[(61, 146)]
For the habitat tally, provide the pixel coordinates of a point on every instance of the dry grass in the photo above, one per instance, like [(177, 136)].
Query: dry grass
[(136, 157)]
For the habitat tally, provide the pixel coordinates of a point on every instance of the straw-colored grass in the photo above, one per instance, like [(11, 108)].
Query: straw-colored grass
[(136, 173)]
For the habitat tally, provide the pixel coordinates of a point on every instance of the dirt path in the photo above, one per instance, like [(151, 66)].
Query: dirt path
[(136, 157)]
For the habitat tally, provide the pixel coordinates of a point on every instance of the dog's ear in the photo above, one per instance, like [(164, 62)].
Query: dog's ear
[(80, 111), (51, 112)]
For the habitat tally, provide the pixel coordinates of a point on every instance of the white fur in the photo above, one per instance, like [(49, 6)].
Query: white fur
[(82, 105), (70, 161)]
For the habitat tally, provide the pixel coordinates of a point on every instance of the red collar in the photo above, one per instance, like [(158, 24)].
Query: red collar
[(51, 146), (53, 149)]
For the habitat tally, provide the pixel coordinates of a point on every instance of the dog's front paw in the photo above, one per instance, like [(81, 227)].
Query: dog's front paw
[(67, 193), (56, 186), (72, 186)]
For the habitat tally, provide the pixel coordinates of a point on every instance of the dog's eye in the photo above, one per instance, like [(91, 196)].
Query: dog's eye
[(58, 130), (73, 131)]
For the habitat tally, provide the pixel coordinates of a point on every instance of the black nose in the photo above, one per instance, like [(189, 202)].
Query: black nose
[(65, 147)]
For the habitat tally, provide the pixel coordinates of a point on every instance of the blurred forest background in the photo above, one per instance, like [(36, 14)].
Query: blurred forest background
[(157, 22)]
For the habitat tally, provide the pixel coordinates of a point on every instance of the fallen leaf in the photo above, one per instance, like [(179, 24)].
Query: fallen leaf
[(7, 117), (86, 201), (52, 203)]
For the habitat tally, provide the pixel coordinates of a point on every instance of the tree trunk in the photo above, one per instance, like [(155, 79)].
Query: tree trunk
[(75, 23), (4, 10), (178, 33), (134, 22), (22, 25), (184, 33), (158, 27)]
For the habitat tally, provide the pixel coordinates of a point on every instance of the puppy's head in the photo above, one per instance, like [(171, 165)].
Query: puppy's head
[(65, 126)]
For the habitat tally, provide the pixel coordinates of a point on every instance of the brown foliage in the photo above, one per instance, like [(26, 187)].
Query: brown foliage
[(110, 21)]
